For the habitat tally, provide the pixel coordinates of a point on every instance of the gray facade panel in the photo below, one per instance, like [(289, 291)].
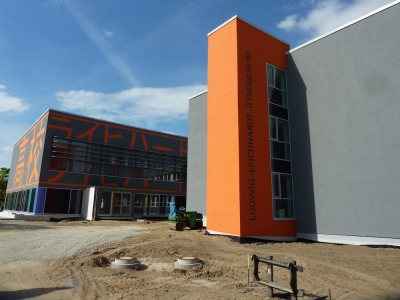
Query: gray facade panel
[(345, 128), (27, 158), (197, 154)]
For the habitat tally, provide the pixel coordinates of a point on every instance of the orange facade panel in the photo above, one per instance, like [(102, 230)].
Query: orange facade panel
[(239, 188), (223, 206)]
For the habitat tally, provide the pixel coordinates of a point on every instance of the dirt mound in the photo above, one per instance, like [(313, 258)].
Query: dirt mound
[(99, 261)]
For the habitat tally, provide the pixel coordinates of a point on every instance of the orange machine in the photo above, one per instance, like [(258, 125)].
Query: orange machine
[(239, 188)]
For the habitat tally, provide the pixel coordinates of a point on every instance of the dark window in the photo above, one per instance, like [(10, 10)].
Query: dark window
[(280, 79), (272, 127), (275, 185), (280, 150), (32, 202), (277, 97), (89, 168), (278, 111), (115, 170), (283, 208), (91, 158), (281, 166)]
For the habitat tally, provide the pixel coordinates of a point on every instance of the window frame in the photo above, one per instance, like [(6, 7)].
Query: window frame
[(274, 137)]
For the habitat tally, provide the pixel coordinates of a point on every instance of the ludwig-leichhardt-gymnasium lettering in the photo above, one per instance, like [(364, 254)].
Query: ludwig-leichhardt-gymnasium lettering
[(251, 182)]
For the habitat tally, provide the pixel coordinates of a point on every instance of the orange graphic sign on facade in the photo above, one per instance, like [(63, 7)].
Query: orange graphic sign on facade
[(54, 169), (100, 132), (29, 148)]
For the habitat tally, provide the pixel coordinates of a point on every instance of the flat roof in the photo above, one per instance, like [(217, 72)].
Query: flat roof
[(345, 25), (237, 17)]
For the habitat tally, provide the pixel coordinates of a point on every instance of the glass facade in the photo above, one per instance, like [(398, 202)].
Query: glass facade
[(63, 201), (155, 204), (21, 200), (115, 204), (85, 157), (280, 144), (91, 158)]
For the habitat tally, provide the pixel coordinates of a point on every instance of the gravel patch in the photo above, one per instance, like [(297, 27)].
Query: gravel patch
[(21, 241)]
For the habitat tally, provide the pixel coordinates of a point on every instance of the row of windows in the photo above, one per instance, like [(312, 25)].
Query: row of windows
[(280, 144), (120, 203), (82, 157), (113, 170), (85, 151), (21, 200)]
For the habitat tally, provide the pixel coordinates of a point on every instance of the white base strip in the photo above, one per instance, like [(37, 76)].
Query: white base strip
[(270, 238), (348, 239)]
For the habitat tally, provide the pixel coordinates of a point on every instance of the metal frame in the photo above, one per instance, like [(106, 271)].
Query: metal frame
[(276, 128), (288, 143), (291, 266), (103, 156), (120, 206)]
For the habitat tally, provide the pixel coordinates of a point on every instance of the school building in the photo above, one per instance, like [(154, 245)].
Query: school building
[(300, 143), (284, 144), (68, 166)]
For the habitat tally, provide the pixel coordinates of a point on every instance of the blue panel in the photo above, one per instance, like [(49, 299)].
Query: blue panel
[(40, 197)]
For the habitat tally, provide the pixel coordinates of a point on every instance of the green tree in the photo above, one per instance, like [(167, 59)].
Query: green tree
[(3, 182)]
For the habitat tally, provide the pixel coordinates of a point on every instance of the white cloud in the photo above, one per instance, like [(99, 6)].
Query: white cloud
[(327, 15), (108, 33), (11, 104), (288, 23), (97, 38), (11, 132), (136, 106)]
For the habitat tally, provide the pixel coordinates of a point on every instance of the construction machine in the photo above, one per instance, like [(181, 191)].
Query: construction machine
[(179, 219)]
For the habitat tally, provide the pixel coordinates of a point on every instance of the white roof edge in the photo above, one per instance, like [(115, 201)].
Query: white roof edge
[(222, 25), (198, 94), (240, 18), (346, 25)]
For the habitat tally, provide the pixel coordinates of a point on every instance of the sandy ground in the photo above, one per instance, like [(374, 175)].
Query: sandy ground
[(349, 272)]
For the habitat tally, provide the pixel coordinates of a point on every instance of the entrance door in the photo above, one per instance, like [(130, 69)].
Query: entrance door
[(114, 204), (125, 204), (105, 204), (116, 209), (140, 200), (154, 204)]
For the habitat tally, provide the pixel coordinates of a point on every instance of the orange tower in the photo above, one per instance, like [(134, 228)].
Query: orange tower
[(240, 197)]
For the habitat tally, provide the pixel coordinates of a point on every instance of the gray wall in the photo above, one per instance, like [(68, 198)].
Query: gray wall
[(344, 93), (27, 157), (197, 154)]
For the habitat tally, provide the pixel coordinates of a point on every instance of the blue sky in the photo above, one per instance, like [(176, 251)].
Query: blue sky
[(129, 61)]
